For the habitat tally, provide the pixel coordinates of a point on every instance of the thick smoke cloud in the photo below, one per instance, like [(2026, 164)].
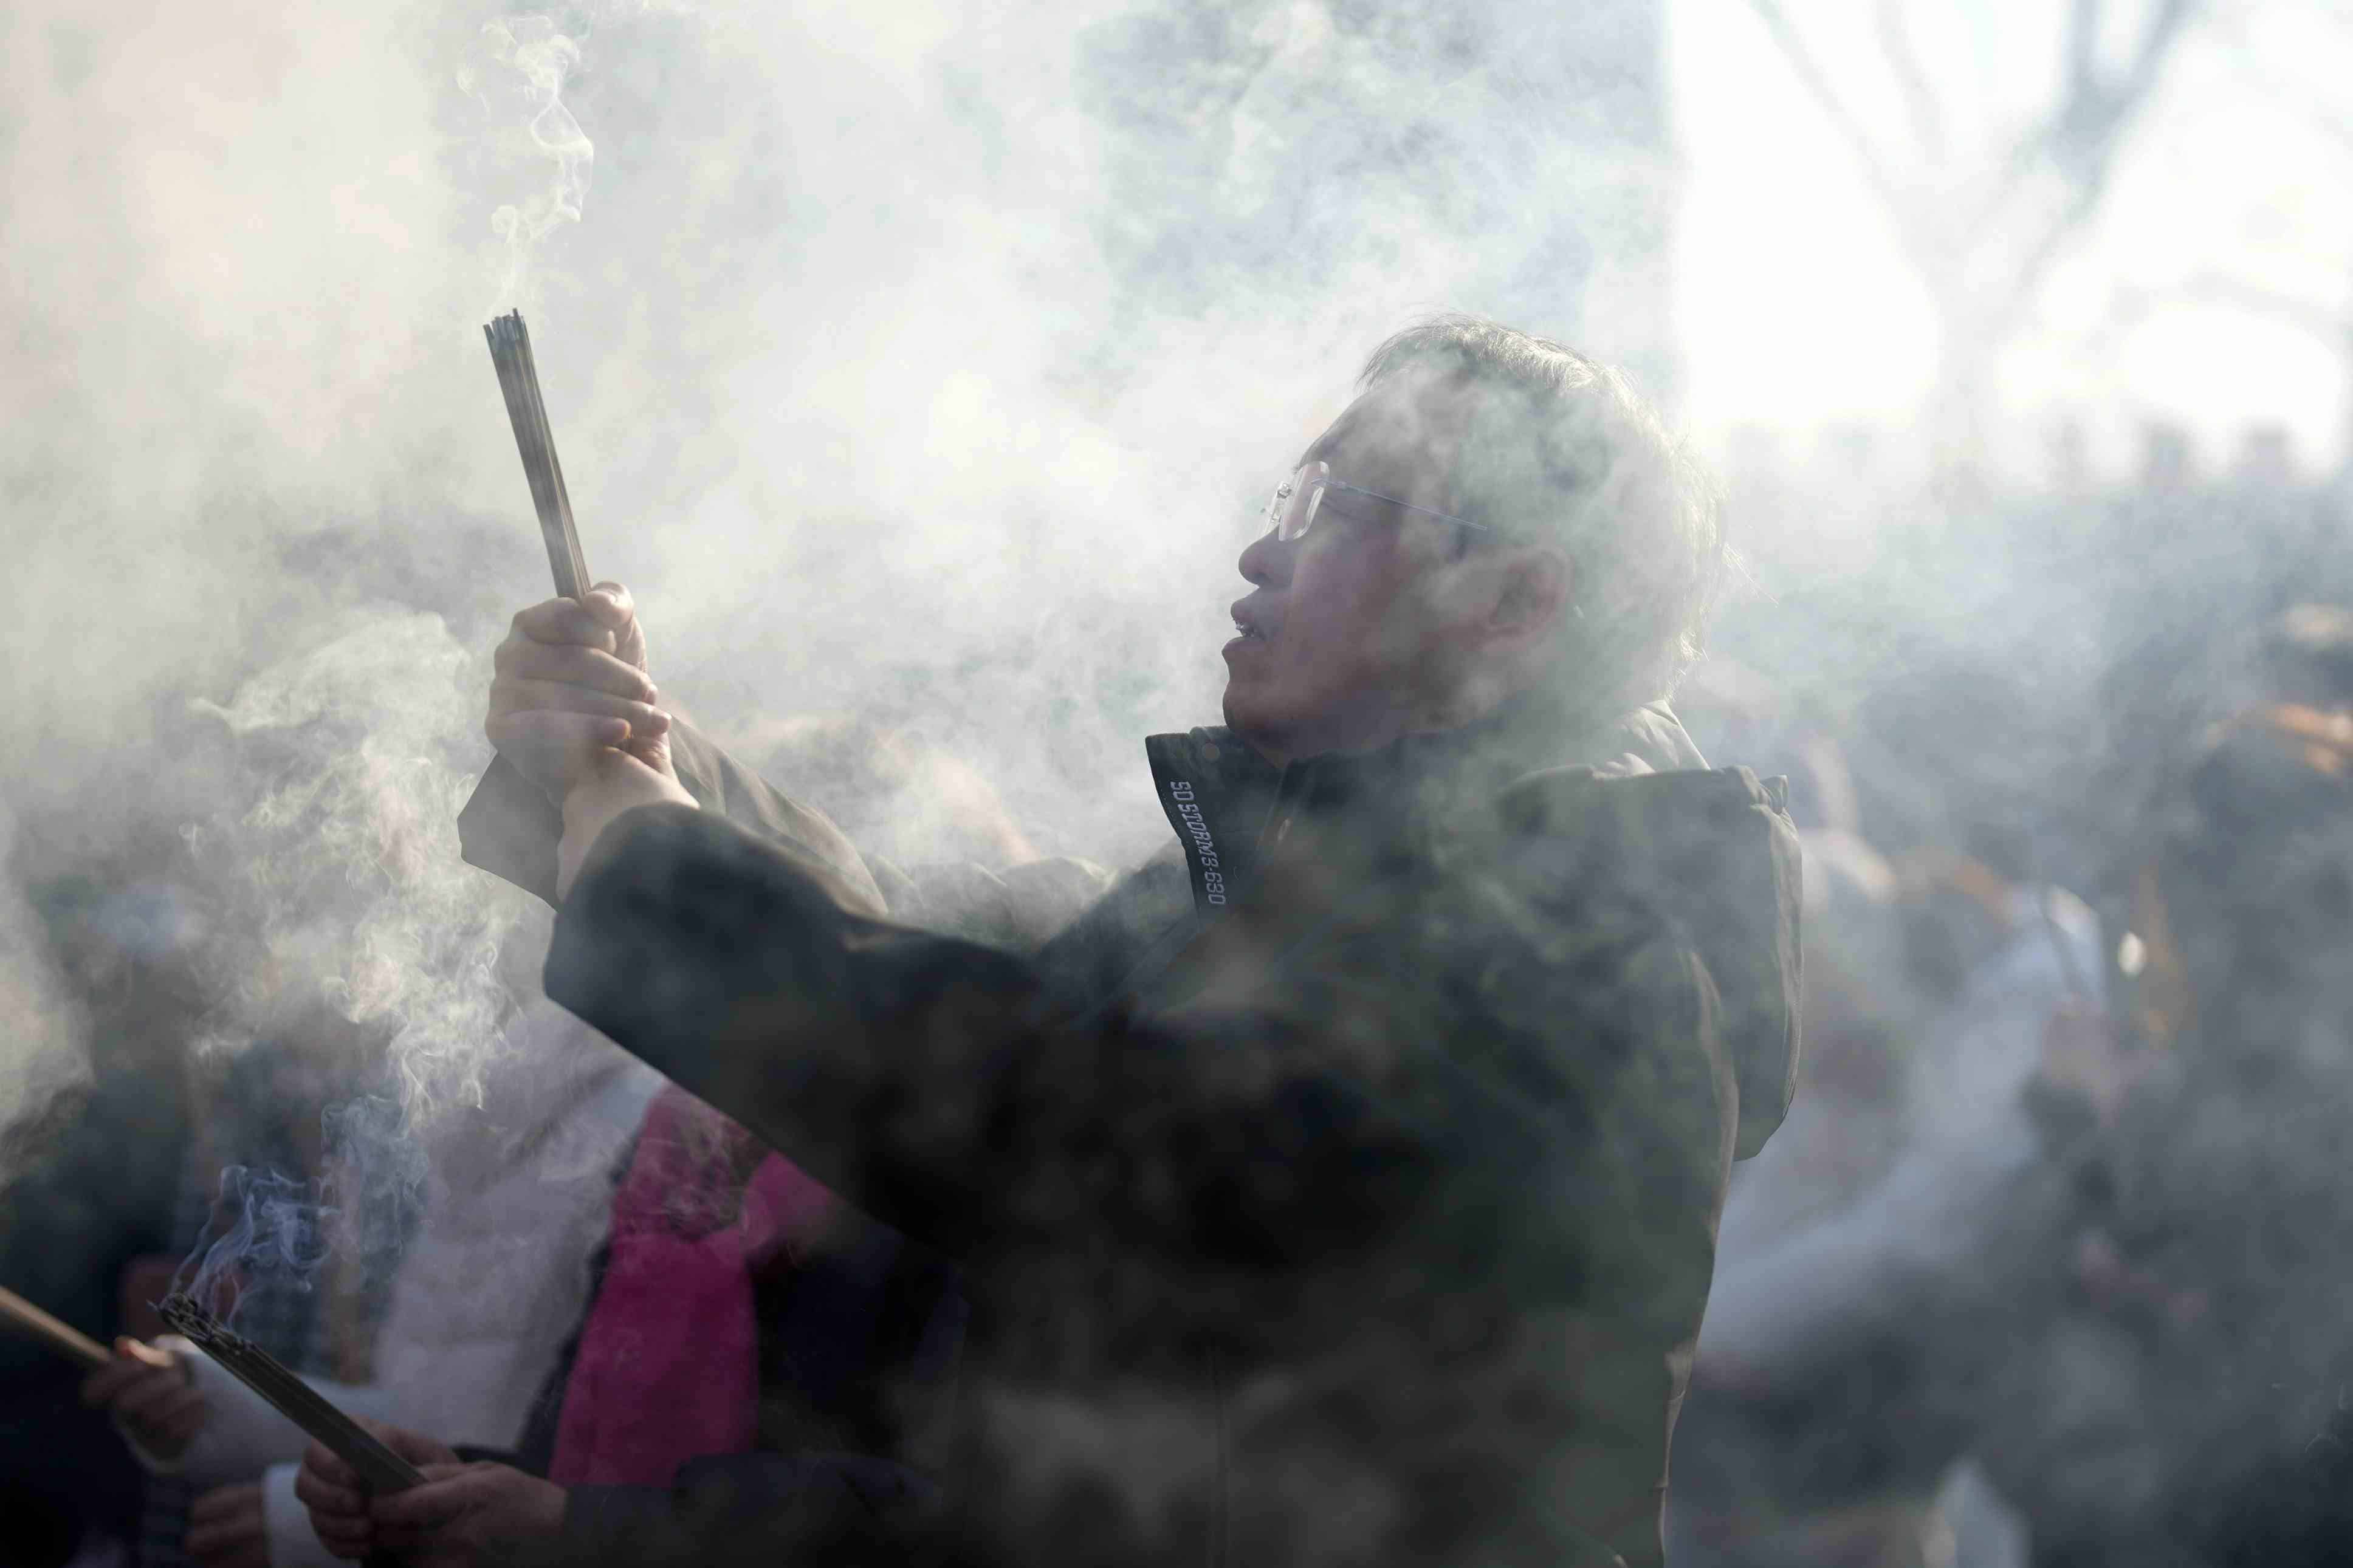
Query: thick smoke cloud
[(916, 363)]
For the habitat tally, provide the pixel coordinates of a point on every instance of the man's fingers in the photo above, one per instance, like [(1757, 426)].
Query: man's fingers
[(106, 1385), (153, 1355), (554, 751), (572, 665), (435, 1503), (327, 1503), (348, 1529), (611, 603), (561, 621), (156, 1402), (415, 1447), (341, 1540), (546, 696), (326, 1480), (566, 742)]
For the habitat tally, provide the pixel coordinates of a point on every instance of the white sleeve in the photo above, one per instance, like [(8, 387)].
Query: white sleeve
[(293, 1542), (1950, 1223)]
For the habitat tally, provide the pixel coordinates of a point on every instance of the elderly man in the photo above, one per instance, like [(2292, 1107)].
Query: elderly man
[(1358, 1207)]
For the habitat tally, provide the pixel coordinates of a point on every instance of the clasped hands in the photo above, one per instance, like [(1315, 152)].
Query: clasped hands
[(572, 709)]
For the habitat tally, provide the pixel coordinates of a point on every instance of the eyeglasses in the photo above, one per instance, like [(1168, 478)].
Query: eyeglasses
[(1299, 501)]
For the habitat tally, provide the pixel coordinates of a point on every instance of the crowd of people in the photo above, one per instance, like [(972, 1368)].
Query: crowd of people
[(1481, 1101)]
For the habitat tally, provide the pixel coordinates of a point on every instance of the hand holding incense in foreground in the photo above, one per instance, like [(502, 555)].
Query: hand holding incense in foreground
[(376, 1463), (151, 1396), (464, 1515)]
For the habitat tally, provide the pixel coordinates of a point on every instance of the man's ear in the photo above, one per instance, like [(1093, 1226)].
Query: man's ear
[(1533, 589)]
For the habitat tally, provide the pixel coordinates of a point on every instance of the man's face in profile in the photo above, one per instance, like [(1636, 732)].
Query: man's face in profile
[(1337, 651)]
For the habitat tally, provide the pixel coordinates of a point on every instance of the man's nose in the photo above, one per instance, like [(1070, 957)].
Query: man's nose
[(1266, 561)]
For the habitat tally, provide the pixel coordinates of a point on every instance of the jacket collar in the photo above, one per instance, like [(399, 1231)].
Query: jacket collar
[(1224, 802)]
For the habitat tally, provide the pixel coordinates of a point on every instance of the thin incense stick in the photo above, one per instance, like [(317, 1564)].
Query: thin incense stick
[(511, 356), (62, 1337), (383, 1469)]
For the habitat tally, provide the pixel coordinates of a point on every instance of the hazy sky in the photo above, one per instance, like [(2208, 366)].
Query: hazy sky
[(1797, 309)]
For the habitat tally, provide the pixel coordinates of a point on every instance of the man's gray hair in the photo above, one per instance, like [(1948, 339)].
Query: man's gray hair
[(1560, 448)]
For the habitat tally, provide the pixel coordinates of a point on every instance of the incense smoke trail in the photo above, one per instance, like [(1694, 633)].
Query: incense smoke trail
[(349, 859), (274, 1240), (535, 58), (347, 879)]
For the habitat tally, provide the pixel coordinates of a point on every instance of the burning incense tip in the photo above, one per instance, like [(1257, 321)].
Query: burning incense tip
[(62, 1337), (383, 1469)]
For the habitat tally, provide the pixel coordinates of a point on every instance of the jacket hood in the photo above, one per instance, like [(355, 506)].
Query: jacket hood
[(1715, 850), (1632, 804)]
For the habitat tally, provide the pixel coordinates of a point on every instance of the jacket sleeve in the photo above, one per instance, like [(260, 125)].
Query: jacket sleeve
[(511, 829), (930, 1080)]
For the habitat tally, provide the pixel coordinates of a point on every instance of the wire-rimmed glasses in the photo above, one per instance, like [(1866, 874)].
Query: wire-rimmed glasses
[(1299, 501)]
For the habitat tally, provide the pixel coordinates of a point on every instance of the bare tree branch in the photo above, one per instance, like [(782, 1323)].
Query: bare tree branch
[(2083, 50), (2164, 32), (2078, 140), (2082, 136), (1904, 211), (1919, 98)]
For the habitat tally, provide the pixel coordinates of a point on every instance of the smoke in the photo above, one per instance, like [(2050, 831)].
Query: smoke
[(347, 862), (919, 367), (357, 942), (525, 98), (279, 1233), (274, 1239)]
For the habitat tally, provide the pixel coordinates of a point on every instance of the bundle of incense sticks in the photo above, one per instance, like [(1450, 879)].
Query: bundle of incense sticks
[(383, 1469), (63, 1338), (519, 379)]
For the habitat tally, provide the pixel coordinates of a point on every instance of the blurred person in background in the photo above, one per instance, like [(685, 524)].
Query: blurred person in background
[(2189, 1402), (1829, 1403), (1833, 1391), (477, 1310), (251, 1182), (1342, 1185), (86, 1218), (560, 1250), (2116, 1277), (743, 1335)]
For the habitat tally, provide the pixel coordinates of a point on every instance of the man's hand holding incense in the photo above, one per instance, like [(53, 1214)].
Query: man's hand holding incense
[(148, 1392), (571, 684), (463, 1515)]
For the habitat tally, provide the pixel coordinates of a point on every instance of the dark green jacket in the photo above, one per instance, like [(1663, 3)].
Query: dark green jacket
[(1361, 1211)]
